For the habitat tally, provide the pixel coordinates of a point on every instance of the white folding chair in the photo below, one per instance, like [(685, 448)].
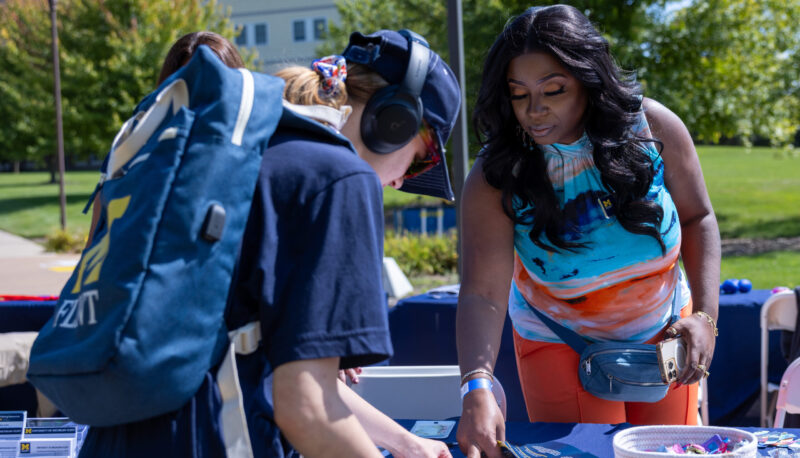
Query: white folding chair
[(702, 403), (788, 394), (395, 282), (416, 392), (779, 312)]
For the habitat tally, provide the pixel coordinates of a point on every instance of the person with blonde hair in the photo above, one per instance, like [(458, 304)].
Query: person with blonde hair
[(309, 270)]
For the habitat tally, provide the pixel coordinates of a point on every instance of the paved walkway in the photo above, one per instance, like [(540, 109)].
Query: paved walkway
[(26, 269)]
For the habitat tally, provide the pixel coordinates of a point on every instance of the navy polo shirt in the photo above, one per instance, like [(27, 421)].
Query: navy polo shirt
[(309, 271)]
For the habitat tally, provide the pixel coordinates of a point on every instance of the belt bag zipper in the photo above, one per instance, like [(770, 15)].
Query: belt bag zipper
[(611, 379), (587, 363)]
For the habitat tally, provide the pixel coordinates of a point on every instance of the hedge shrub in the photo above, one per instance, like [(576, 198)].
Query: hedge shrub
[(423, 254), (61, 241)]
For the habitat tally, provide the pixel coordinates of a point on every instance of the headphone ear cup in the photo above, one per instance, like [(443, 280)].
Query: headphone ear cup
[(390, 120)]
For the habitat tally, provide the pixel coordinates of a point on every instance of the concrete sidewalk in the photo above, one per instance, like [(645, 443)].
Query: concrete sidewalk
[(26, 269)]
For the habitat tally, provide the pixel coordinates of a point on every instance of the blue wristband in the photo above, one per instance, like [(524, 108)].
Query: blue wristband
[(475, 384)]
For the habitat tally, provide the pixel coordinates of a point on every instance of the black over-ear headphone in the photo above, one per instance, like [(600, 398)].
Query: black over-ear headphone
[(392, 116)]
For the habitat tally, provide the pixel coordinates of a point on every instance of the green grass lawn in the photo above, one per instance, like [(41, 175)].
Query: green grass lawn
[(766, 270), (755, 192), (29, 203)]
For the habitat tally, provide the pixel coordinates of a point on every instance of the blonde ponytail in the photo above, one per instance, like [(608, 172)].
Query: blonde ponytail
[(304, 86)]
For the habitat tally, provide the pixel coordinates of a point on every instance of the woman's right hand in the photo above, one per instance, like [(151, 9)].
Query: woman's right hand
[(481, 425)]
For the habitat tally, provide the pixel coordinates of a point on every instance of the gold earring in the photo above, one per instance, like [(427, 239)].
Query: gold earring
[(525, 138)]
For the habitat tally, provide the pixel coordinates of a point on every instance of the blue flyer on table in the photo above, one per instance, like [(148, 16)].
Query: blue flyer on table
[(542, 450)]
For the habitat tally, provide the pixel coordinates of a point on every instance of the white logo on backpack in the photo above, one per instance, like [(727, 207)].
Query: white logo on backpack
[(77, 312)]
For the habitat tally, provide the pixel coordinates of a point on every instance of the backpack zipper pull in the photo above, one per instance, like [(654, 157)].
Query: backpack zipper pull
[(610, 382)]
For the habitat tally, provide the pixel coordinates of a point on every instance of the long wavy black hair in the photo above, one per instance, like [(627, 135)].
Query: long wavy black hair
[(613, 107)]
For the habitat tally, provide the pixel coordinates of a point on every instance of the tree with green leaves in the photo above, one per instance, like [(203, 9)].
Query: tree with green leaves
[(111, 52), (26, 85), (729, 68), (625, 24)]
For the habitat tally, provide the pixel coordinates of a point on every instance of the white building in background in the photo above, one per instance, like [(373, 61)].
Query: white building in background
[(282, 31)]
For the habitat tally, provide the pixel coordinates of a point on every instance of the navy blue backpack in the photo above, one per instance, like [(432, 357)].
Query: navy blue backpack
[(141, 320)]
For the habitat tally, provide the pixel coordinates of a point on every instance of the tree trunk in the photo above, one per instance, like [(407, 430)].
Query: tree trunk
[(51, 164), (16, 166)]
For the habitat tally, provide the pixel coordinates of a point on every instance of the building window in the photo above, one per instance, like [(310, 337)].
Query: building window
[(320, 28), (261, 34), (241, 39), (299, 30)]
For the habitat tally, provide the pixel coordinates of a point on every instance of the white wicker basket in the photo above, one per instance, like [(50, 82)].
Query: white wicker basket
[(635, 442)]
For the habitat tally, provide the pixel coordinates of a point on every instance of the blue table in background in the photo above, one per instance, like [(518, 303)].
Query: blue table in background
[(735, 372), (423, 333), (23, 316)]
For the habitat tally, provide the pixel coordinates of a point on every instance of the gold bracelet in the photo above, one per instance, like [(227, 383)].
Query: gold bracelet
[(711, 321), (476, 371)]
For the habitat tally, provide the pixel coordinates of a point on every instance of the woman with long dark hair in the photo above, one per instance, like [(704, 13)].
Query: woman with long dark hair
[(582, 201)]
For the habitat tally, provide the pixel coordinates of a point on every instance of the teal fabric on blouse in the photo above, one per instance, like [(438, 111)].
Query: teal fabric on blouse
[(620, 286)]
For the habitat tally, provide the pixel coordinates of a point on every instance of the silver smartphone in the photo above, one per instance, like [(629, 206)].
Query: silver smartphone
[(671, 358)]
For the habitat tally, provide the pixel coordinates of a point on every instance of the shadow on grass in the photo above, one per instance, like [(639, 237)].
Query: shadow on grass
[(28, 184), (788, 226), (26, 203)]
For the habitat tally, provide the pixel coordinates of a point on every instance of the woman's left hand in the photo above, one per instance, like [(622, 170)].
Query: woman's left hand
[(698, 334)]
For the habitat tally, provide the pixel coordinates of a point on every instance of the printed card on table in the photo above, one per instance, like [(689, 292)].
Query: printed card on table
[(433, 429), (11, 424), (50, 448), (53, 428)]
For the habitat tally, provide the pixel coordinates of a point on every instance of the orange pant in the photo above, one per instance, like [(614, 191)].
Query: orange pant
[(548, 374)]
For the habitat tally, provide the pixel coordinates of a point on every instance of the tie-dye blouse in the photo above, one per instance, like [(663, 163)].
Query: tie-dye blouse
[(620, 287)]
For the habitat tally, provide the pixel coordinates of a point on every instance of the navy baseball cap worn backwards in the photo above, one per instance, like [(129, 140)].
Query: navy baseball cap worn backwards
[(387, 53)]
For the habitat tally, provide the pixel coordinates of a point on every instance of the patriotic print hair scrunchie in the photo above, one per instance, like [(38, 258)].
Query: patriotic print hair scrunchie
[(333, 70)]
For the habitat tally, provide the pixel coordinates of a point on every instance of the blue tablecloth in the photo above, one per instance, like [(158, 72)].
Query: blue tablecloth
[(735, 371), (594, 439), (423, 333), (20, 316)]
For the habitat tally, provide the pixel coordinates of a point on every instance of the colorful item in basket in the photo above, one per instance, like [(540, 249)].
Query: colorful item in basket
[(713, 446)]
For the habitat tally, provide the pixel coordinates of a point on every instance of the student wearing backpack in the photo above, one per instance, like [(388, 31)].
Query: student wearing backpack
[(310, 264)]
